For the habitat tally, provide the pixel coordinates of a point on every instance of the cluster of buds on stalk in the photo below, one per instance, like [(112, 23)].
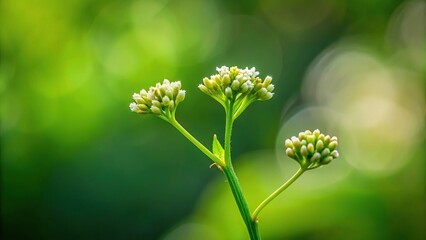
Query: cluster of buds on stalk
[(160, 100), (242, 86), (312, 149)]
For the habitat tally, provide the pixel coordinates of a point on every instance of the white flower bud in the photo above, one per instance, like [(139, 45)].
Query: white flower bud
[(180, 97), (140, 100), (327, 140), (311, 148), (226, 80), (155, 110), (270, 88), (208, 83), (327, 160), (228, 92), (310, 139), (244, 87), (332, 145), (267, 81), (304, 151), (156, 103), (290, 153), (143, 92), (204, 89), (267, 96), (151, 95), (288, 143), (166, 101), (319, 146), (316, 133), (171, 105), (296, 142), (217, 79), (143, 107), (166, 82), (334, 154), (316, 157), (235, 85), (133, 107), (325, 152), (262, 92)]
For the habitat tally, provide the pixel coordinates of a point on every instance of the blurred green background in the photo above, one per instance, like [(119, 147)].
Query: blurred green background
[(77, 164)]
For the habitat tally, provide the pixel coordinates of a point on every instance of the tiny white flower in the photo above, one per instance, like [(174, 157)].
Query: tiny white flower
[(136, 96), (180, 97), (133, 107)]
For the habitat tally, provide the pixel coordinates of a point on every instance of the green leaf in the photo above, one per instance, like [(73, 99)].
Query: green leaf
[(217, 148)]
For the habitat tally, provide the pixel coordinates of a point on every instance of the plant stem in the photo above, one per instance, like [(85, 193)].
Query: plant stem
[(276, 193), (233, 180), (196, 142), (241, 202), (228, 131)]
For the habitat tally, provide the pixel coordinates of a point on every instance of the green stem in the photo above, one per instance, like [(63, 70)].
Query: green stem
[(276, 193), (233, 180), (228, 131), (241, 202), (196, 142)]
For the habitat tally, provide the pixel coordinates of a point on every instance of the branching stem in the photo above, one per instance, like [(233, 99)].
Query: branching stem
[(271, 197)]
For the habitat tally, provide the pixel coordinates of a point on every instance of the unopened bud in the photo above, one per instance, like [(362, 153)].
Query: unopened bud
[(310, 139), (290, 153), (180, 97), (226, 80), (296, 142), (327, 160), (143, 107), (155, 110), (208, 83), (228, 92), (267, 81), (325, 152), (204, 89), (311, 148), (332, 145), (235, 85), (334, 154), (319, 146), (288, 143), (304, 151), (316, 157), (262, 92), (165, 101)]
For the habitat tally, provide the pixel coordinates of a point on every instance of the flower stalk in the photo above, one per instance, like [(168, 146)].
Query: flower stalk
[(235, 89)]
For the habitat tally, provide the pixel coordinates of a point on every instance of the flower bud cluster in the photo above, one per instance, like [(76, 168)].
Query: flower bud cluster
[(159, 100), (236, 83), (312, 149)]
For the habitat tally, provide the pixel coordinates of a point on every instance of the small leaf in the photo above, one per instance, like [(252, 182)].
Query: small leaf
[(217, 148)]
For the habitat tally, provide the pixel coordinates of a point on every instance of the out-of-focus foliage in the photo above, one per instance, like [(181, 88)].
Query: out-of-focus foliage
[(77, 164)]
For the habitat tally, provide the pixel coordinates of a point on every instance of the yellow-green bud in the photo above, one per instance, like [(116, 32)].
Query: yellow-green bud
[(235, 85), (155, 110), (180, 96), (228, 92), (311, 148)]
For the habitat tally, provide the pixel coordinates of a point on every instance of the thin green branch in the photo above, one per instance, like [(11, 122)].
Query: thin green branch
[(194, 141), (276, 193)]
